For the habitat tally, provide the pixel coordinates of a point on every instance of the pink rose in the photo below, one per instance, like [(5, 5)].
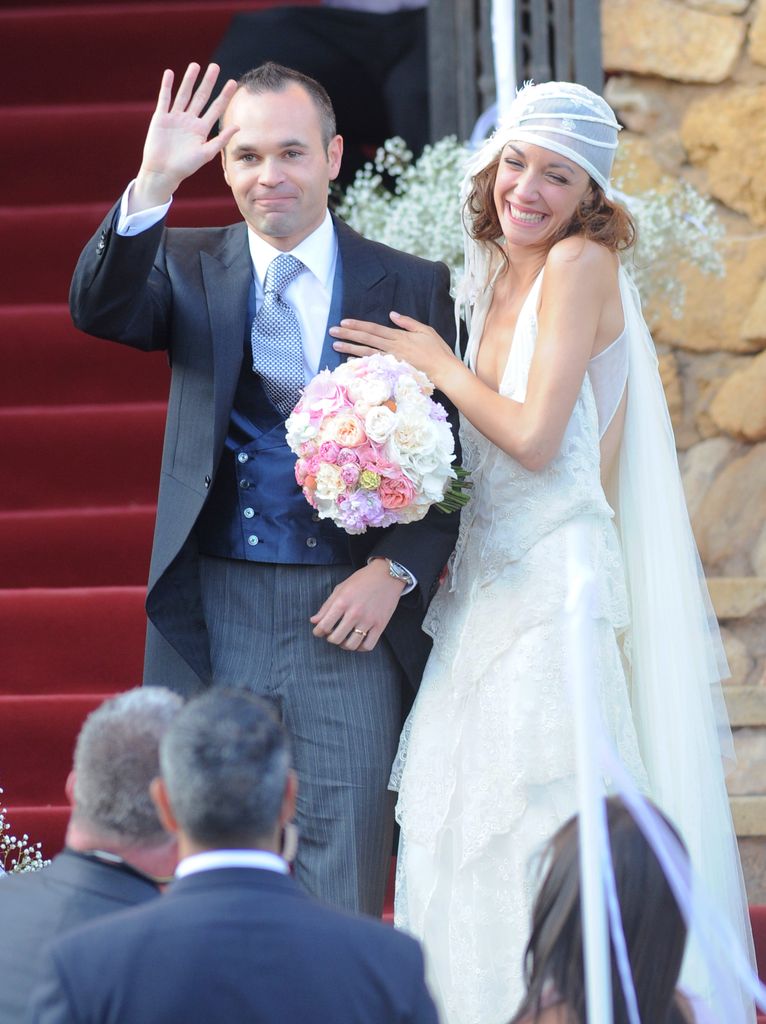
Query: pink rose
[(395, 492), (349, 474), (329, 451), (300, 472), (347, 455)]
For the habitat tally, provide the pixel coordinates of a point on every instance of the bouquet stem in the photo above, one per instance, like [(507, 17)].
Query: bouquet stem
[(456, 496)]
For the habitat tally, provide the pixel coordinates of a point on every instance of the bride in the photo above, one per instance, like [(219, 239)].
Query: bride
[(563, 420)]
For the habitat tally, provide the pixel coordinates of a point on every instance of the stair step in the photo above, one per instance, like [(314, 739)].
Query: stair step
[(46, 242), (113, 51), (81, 456), (78, 640), (75, 134), (47, 361), (45, 825), (37, 736), (76, 547)]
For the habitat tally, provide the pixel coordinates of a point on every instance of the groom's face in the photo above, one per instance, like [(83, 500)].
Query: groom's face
[(277, 166)]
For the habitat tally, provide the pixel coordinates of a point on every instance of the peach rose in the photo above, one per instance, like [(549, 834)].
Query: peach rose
[(395, 492), (348, 431)]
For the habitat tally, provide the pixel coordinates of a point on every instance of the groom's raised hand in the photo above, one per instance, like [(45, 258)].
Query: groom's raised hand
[(177, 142)]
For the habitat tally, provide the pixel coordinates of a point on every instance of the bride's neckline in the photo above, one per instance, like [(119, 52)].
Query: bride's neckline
[(473, 353)]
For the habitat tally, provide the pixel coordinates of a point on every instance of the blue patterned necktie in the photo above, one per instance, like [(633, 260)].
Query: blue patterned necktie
[(276, 337)]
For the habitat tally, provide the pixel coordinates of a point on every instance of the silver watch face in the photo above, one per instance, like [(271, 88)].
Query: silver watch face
[(398, 571)]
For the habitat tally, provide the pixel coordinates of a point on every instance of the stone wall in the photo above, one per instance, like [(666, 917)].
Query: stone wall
[(688, 80)]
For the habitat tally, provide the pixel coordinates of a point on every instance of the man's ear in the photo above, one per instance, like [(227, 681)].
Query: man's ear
[(335, 155), (289, 799), (223, 164), (69, 787), (159, 794)]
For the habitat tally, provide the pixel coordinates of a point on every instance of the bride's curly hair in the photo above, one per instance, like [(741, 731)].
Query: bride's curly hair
[(596, 217)]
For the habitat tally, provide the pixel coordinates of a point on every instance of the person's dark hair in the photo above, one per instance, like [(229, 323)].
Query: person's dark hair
[(272, 77), (225, 761), (596, 217), (655, 932), (115, 759)]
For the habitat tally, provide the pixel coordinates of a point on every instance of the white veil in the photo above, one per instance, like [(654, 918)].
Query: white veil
[(676, 655)]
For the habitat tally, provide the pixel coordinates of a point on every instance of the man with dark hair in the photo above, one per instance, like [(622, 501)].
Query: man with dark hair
[(248, 588), (234, 938), (116, 849)]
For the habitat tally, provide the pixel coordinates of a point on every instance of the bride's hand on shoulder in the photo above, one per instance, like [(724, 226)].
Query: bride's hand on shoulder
[(413, 342)]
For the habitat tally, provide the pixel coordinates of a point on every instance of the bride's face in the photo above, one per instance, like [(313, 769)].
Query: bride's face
[(536, 192)]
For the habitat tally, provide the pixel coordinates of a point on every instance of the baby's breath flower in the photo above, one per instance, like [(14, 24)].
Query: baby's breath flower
[(675, 225), (18, 855), (422, 214)]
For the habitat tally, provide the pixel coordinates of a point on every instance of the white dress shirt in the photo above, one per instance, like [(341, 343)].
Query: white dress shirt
[(212, 860), (309, 294)]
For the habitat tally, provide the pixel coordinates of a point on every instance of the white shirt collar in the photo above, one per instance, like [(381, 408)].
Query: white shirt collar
[(211, 860), (317, 251)]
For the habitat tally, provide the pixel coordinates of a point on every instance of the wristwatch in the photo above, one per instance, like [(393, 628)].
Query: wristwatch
[(397, 570)]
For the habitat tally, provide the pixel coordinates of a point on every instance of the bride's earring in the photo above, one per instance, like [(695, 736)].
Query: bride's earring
[(289, 850)]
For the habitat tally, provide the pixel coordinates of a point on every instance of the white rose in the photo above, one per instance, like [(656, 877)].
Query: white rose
[(445, 440), (329, 483), (372, 390), (414, 432), (299, 430), (379, 423), (409, 392), (423, 462), (433, 486)]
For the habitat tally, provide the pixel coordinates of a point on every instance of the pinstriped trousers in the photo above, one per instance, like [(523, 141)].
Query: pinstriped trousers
[(342, 710)]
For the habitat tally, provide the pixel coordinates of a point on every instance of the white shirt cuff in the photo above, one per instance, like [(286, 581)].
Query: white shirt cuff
[(135, 223), (408, 587)]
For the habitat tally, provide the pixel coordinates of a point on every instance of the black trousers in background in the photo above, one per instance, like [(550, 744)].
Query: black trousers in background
[(373, 66)]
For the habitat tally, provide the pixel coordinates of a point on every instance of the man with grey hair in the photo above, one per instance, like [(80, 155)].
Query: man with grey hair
[(116, 849), (235, 939)]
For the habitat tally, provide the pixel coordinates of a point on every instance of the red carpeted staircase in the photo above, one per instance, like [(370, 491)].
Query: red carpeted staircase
[(80, 419)]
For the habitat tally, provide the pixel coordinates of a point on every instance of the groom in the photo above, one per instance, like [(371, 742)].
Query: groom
[(247, 587)]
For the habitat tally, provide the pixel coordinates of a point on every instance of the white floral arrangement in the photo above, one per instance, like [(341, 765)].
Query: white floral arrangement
[(675, 225), (18, 855), (421, 215)]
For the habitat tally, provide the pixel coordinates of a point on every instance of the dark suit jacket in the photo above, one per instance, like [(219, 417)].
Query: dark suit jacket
[(39, 906), (185, 290), (235, 945)]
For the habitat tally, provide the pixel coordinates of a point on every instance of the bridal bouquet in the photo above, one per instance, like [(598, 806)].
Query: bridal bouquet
[(373, 447)]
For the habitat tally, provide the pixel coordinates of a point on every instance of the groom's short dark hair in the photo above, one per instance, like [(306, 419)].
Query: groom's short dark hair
[(273, 77)]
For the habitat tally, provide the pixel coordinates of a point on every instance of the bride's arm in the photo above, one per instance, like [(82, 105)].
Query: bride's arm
[(578, 278)]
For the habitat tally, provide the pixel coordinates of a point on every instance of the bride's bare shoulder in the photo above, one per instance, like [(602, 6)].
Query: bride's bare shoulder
[(583, 254)]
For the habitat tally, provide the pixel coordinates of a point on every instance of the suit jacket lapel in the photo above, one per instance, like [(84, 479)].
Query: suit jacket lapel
[(368, 288), (227, 274)]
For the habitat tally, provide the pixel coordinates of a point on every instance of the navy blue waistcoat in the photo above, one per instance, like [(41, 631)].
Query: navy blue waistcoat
[(256, 510)]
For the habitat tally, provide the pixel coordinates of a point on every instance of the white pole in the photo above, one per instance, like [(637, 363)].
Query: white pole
[(504, 52), (580, 639)]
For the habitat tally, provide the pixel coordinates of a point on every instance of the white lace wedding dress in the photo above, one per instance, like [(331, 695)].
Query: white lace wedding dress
[(485, 770)]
